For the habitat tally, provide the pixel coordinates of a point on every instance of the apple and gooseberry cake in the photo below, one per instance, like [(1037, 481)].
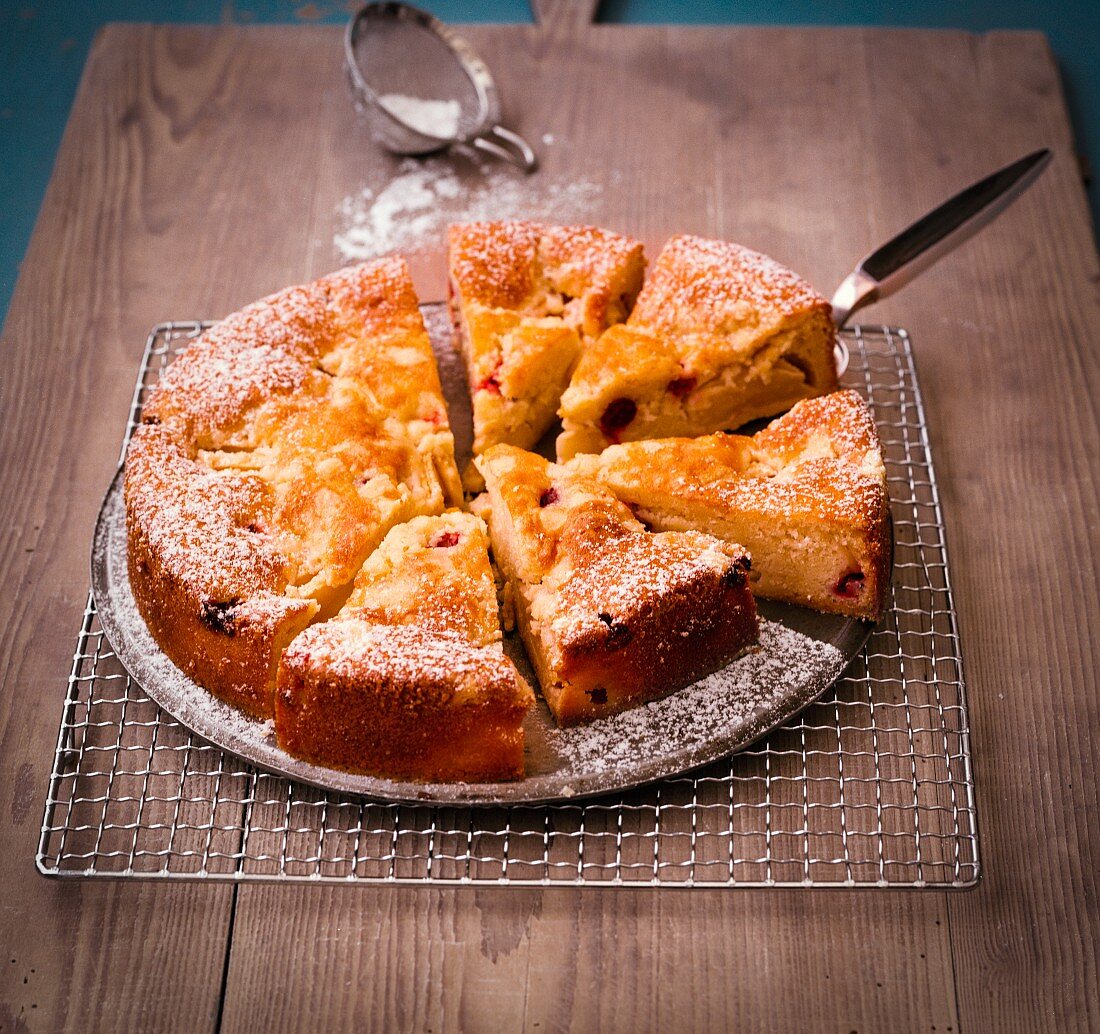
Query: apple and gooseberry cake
[(295, 533)]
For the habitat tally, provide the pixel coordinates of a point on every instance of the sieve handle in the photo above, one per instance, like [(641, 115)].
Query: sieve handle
[(511, 147)]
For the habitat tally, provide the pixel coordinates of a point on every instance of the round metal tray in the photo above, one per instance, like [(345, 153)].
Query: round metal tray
[(695, 726)]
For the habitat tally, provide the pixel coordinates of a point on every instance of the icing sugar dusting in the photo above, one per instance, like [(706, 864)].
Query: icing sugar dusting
[(412, 211), (785, 661)]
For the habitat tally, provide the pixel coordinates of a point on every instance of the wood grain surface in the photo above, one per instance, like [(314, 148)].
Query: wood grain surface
[(202, 168)]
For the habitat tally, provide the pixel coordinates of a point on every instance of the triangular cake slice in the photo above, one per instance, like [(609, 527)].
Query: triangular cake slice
[(410, 680), (611, 614), (525, 300), (720, 335), (806, 496), (433, 572), (273, 456)]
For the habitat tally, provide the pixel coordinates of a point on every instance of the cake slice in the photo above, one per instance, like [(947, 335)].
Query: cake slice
[(272, 458), (402, 702), (611, 614), (526, 300), (209, 580), (719, 336), (433, 572), (410, 680), (806, 496)]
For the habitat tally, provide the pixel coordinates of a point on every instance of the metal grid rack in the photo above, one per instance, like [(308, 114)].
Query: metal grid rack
[(871, 786)]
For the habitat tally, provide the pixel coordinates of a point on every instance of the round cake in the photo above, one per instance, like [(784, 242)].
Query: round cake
[(300, 545)]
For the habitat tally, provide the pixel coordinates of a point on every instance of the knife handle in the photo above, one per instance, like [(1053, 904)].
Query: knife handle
[(917, 247)]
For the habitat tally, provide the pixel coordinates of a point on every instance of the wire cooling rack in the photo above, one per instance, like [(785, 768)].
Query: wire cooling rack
[(871, 786)]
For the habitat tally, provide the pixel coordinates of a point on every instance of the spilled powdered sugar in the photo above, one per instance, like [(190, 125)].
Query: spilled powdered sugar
[(729, 699), (412, 211)]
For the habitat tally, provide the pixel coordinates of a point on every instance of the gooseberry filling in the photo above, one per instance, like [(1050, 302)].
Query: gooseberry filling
[(850, 586), (618, 634), (618, 415), (219, 616), (491, 384), (681, 387), (735, 576)]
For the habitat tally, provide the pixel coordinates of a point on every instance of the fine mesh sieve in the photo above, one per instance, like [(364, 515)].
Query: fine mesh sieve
[(423, 88)]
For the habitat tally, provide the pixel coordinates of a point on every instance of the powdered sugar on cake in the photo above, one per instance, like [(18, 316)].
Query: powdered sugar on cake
[(785, 661)]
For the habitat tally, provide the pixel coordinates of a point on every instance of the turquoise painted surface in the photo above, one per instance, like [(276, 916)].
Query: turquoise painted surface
[(43, 46)]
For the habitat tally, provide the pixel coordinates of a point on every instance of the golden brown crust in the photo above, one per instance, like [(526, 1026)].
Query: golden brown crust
[(537, 269), (432, 572), (401, 702), (223, 620), (701, 286), (610, 614), (356, 332), (835, 426), (276, 452), (494, 264), (806, 496)]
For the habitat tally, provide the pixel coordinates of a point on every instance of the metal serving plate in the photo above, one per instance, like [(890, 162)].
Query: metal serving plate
[(653, 743)]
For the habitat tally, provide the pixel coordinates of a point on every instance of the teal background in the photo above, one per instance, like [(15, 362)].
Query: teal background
[(43, 46)]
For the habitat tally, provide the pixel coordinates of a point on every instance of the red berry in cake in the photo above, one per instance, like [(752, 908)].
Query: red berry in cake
[(618, 415), (681, 387), (219, 616), (446, 540), (735, 576), (850, 586), (618, 634), (491, 384), (549, 496)]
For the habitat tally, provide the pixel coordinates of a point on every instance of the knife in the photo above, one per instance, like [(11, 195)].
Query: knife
[(912, 251)]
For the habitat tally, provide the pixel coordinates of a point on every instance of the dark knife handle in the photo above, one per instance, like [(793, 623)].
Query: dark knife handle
[(912, 251)]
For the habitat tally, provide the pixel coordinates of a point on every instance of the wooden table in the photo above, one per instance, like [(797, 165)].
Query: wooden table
[(200, 169)]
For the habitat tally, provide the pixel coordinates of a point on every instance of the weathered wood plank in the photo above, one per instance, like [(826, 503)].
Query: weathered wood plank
[(565, 960), (92, 956)]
